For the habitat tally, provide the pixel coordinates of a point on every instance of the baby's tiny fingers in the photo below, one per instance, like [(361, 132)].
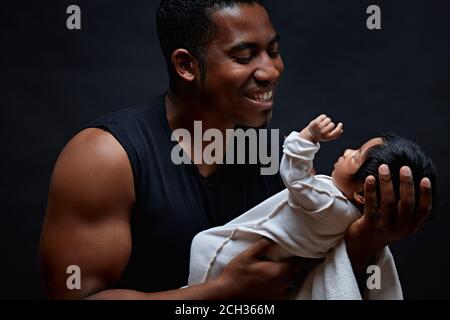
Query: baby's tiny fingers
[(328, 128), (337, 131), (318, 120), (325, 122)]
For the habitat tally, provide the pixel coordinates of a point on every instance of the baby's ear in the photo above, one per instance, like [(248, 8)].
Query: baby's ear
[(359, 197)]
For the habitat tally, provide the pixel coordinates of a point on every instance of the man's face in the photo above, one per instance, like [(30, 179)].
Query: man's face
[(243, 66)]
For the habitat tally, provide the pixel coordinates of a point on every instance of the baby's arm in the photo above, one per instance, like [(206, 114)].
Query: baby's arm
[(296, 166)]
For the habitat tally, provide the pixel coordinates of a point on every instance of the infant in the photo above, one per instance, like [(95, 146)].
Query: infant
[(312, 215)]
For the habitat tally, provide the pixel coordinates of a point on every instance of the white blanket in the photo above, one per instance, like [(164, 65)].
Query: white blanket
[(334, 279)]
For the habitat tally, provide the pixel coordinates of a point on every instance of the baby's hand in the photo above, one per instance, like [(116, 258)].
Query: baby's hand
[(322, 129)]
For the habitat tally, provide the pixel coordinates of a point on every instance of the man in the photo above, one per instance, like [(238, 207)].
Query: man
[(125, 214)]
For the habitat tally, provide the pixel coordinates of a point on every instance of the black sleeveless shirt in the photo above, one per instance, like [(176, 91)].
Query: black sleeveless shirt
[(174, 202)]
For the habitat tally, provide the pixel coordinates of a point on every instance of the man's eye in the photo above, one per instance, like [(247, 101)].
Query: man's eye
[(244, 60), (274, 54)]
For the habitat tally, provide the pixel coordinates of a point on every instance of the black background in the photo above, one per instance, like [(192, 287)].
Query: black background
[(52, 81)]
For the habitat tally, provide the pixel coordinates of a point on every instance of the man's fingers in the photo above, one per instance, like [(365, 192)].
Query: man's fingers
[(425, 205), (388, 205), (370, 197), (407, 196), (296, 264), (259, 248)]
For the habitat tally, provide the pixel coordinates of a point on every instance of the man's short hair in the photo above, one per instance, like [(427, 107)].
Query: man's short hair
[(397, 152), (188, 24)]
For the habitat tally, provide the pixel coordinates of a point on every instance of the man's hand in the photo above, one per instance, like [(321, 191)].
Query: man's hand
[(392, 221), (252, 276), (322, 129)]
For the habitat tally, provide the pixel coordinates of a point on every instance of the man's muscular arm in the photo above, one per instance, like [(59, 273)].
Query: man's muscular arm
[(87, 224), (87, 221)]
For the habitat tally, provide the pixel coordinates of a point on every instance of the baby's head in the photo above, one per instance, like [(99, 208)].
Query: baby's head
[(354, 166)]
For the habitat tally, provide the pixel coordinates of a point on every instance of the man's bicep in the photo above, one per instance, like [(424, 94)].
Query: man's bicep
[(98, 252), (87, 219)]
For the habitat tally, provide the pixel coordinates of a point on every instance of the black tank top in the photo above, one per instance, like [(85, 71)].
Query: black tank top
[(174, 202)]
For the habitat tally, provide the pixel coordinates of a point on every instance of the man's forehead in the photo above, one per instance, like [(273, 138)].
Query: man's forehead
[(242, 23)]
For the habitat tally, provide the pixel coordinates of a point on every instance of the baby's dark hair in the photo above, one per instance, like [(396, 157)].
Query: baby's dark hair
[(397, 152)]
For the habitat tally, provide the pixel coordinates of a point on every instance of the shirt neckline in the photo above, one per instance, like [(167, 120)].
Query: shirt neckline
[(211, 179)]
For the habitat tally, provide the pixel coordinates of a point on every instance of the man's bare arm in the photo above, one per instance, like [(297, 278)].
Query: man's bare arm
[(87, 220)]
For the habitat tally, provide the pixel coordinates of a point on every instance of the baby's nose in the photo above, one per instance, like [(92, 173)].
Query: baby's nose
[(347, 153)]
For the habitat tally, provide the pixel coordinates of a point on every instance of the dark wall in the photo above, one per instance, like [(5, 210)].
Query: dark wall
[(52, 81)]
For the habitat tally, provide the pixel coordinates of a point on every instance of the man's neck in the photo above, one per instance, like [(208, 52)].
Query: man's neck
[(183, 111)]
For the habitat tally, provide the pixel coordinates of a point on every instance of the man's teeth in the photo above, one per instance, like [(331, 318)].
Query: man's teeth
[(262, 97)]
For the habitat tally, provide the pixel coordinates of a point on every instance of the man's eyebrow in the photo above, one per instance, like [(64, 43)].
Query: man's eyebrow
[(243, 46), (251, 45)]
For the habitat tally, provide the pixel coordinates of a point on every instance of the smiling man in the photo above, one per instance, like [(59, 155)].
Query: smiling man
[(123, 212), (243, 66)]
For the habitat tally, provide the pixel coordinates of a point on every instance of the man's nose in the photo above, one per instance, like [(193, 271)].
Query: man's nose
[(267, 72)]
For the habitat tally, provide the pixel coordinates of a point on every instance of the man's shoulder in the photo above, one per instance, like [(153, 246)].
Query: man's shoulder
[(96, 146), (91, 161)]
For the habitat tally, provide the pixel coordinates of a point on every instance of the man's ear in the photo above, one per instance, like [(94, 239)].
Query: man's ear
[(185, 64), (359, 197)]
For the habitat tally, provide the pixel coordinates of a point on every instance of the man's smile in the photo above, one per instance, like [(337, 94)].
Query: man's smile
[(263, 100), (261, 96)]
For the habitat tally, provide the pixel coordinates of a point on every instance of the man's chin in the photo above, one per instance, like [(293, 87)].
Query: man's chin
[(260, 120)]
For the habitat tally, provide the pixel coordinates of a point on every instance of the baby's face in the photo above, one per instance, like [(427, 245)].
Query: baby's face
[(348, 164)]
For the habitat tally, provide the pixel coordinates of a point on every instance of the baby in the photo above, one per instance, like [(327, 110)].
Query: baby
[(312, 215)]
